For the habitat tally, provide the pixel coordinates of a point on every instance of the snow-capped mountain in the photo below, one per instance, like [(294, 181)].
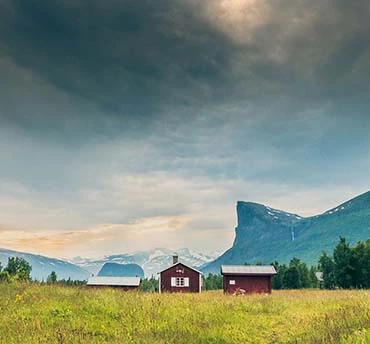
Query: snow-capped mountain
[(43, 266), (151, 261)]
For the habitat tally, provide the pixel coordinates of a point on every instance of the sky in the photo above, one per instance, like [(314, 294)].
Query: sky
[(127, 125)]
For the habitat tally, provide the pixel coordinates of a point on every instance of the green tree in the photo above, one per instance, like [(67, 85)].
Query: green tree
[(52, 278), (291, 278), (303, 273), (277, 280), (312, 277), (326, 266), (149, 284), (19, 268), (361, 263), (294, 276), (212, 282), (343, 268)]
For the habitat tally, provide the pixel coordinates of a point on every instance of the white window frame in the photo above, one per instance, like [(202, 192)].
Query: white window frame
[(180, 282), (232, 282)]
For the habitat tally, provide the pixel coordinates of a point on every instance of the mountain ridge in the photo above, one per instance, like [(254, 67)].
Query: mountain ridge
[(266, 234)]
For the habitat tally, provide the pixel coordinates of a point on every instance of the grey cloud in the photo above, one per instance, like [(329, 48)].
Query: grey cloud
[(275, 94), (120, 60), (127, 57)]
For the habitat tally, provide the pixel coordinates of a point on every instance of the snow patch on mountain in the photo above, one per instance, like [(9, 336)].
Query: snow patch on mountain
[(279, 214)]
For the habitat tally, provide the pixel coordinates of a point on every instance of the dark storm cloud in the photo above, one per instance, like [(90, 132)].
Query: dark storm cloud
[(140, 57), (125, 56), (138, 69)]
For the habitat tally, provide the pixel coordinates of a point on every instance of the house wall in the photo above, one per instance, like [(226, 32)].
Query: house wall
[(251, 284), (179, 271)]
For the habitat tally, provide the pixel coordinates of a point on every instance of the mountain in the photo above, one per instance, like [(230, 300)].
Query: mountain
[(121, 270), (43, 266), (151, 261), (265, 234)]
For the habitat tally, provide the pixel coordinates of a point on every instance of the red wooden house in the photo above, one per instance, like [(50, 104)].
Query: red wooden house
[(247, 278), (180, 277)]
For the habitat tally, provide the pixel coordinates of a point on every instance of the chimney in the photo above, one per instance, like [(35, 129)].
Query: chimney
[(175, 258)]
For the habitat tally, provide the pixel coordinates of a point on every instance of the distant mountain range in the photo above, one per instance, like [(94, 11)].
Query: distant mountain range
[(43, 266), (151, 261), (142, 263), (265, 234), (134, 264)]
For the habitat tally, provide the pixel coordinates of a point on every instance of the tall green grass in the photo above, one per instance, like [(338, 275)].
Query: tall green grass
[(56, 314)]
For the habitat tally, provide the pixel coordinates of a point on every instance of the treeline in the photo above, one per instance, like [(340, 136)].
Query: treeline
[(53, 279), (295, 275), (149, 285), (348, 267), (212, 282), (18, 269)]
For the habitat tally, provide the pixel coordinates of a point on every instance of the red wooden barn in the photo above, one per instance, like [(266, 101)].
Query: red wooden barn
[(247, 278), (180, 277)]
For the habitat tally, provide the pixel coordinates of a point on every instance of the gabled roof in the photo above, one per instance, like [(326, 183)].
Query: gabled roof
[(191, 268), (114, 281), (263, 270)]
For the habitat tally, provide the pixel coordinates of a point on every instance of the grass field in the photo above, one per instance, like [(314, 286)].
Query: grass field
[(56, 314)]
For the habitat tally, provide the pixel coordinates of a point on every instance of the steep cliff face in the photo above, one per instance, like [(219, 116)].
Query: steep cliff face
[(265, 234), (261, 223)]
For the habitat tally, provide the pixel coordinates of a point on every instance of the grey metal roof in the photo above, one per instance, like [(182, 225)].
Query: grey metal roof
[(114, 281), (248, 270)]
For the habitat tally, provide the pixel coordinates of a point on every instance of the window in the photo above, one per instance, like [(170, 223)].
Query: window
[(179, 282), (232, 282)]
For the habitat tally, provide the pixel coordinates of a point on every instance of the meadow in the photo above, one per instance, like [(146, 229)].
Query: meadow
[(31, 313)]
